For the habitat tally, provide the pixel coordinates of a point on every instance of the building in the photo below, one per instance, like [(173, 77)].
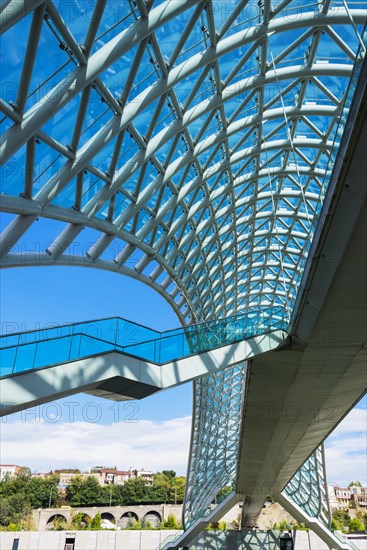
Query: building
[(9, 471), (358, 496), (42, 475), (65, 478), (144, 474), (347, 497), (106, 476), (119, 477)]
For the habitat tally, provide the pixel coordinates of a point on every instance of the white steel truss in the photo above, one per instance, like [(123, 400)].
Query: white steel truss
[(215, 439), (196, 161)]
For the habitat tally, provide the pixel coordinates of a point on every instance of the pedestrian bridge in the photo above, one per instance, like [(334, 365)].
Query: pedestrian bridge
[(215, 152), (118, 359)]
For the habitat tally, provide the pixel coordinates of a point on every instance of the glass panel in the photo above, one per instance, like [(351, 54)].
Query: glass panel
[(12, 58), (145, 350), (7, 359), (130, 333), (52, 351), (7, 340), (104, 329), (25, 357), (92, 346), (75, 346)]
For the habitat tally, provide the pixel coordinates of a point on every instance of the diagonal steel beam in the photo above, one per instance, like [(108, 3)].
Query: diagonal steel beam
[(16, 10), (76, 81), (30, 57), (38, 115)]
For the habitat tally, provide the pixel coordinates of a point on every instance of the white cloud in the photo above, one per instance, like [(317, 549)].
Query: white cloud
[(346, 448), (151, 445), (143, 444)]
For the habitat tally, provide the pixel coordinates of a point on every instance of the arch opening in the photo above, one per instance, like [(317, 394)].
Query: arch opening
[(153, 517), (128, 519), (56, 522)]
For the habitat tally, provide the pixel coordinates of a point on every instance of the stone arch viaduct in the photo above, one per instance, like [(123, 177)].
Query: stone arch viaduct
[(119, 515)]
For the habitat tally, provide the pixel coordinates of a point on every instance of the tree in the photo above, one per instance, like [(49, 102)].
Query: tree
[(158, 494), (59, 523), (42, 492), (354, 484), (81, 521), (96, 522), (224, 493), (169, 474), (146, 524), (84, 492), (14, 509), (336, 525), (283, 525), (24, 473), (172, 488), (177, 490), (355, 525), (362, 516), (341, 518), (170, 522), (161, 480), (134, 491)]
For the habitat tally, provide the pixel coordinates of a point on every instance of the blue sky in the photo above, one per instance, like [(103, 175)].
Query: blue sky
[(83, 431), (35, 298)]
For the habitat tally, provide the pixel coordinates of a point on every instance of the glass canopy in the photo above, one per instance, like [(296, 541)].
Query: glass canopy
[(193, 140)]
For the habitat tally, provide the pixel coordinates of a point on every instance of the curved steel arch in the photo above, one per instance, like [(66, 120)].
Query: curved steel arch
[(86, 73), (29, 259), (208, 168)]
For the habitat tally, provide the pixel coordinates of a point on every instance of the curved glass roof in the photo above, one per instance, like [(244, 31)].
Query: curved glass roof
[(193, 140)]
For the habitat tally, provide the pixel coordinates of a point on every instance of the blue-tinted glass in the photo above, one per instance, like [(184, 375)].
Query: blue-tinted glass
[(25, 357), (12, 58), (51, 351), (7, 360), (12, 174), (55, 345), (146, 350), (92, 346)]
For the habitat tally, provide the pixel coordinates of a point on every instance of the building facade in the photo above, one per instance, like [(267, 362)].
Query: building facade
[(9, 471), (104, 476), (348, 497)]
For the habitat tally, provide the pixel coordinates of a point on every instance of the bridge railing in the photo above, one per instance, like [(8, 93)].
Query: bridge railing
[(38, 349), (343, 539), (170, 538)]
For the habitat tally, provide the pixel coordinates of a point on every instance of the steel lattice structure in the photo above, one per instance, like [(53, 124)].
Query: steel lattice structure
[(207, 162), (215, 439), (192, 140), (308, 488)]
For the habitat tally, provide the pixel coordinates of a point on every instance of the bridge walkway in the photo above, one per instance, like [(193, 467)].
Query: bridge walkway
[(118, 359)]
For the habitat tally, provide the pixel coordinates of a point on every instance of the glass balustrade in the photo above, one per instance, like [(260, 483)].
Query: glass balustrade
[(42, 348)]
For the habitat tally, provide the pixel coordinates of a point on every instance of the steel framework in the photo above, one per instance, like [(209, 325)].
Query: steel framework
[(192, 140), (308, 488)]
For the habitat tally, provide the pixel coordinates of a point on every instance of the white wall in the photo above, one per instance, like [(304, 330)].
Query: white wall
[(127, 540)]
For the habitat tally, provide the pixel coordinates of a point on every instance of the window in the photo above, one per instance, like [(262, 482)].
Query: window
[(69, 543)]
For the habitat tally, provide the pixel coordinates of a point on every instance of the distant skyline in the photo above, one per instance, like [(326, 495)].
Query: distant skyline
[(82, 431)]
